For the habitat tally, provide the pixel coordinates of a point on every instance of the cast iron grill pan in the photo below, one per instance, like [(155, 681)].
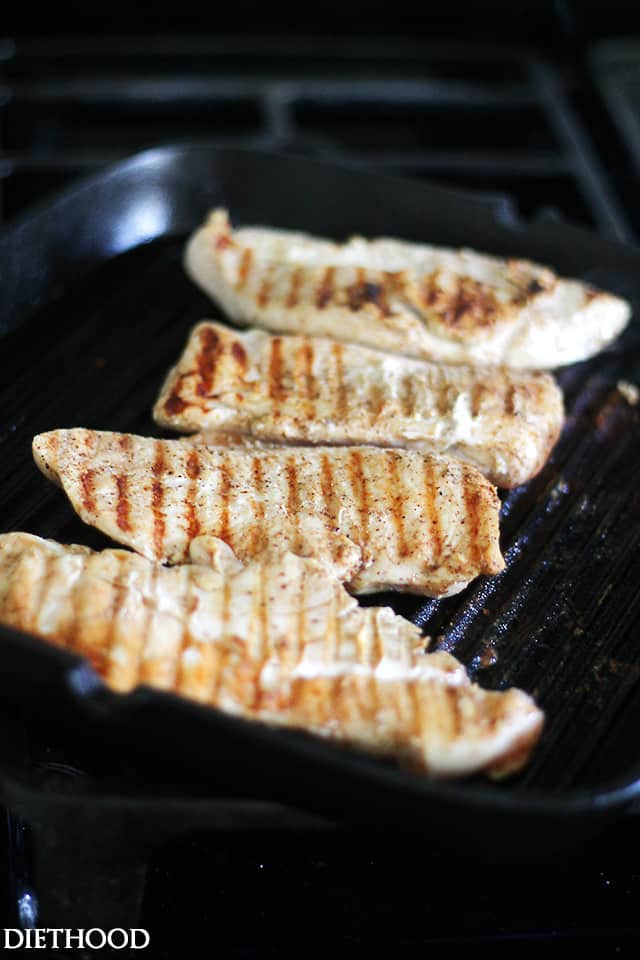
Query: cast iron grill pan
[(96, 307)]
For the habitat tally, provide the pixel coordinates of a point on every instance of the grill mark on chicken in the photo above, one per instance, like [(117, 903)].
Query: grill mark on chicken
[(478, 394), (325, 290), (118, 597), (472, 519), (186, 637), (454, 713), (258, 655), (369, 695), (264, 293), (190, 508), (395, 494), (330, 634), (207, 359), (157, 498), (86, 483), (276, 389), (123, 506), (432, 512), (239, 354), (264, 621), (294, 288), (367, 291), (430, 288), (377, 294), (257, 533), (359, 486), (227, 648), (462, 304), (305, 378), (293, 501), (225, 489), (510, 400), (408, 397), (376, 400), (246, 262), (175, 405), (144, 667), (378, 646), (340, 386), (416, 722), (329, 498), (356, 291)]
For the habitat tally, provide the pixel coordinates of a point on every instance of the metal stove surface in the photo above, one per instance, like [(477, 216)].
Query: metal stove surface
[(497, 121)]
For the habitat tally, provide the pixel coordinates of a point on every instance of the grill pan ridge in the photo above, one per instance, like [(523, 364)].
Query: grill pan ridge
[(95, 307)]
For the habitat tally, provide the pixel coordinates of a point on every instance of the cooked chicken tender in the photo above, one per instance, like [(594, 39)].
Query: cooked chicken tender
[(453, 306), (379, 519), (278, 641), (312, 390)]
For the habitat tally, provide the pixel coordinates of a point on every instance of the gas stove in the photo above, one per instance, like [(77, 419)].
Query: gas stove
[(539, 137)]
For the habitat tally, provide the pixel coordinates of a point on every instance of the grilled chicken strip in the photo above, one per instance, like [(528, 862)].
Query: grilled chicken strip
[(379, 519), (277, 641), (311, 390), (454, 306)]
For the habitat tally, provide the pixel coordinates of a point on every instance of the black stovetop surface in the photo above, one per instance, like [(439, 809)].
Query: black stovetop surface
[(550, 136)]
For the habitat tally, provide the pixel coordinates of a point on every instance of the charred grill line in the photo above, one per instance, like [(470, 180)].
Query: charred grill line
[(86, 481), (408, 397), (276, 390), (258, 504), (157, 499), (263, 637), (324, 294), (207, 360), (305, 360), (478, 394), (143, 668), (510, 401), (239, 354), (123, 507), (395, 495), (191, 511), (185, 638), (432, 514), (472, 520), (225, 489), (293, 502), (340, 386), (246, 263), (359, 487), (331, 505), (297, 277), (264, 293)]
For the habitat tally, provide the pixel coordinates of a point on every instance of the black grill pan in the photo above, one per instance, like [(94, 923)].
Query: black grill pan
[(95, 307)]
